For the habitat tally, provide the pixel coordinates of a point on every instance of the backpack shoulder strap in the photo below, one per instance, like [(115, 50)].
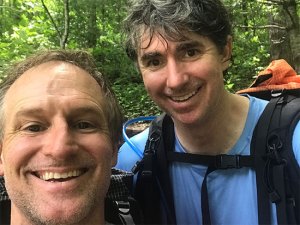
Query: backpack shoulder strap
[(4, 204), (120, 207), (164, 181), (153, 189), (271, 147)]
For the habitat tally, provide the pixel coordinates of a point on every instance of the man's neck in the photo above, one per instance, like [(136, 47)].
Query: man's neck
[(218, 133)]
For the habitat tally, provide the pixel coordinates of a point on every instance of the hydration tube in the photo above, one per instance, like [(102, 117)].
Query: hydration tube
[(127, 139)]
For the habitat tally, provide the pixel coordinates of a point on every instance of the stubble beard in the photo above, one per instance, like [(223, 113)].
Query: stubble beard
[(33, 213)]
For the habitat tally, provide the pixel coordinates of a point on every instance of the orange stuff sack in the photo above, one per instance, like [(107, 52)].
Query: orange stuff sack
[(279, 76)]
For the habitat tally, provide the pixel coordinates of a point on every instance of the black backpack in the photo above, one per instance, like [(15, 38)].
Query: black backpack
[(272, 157)]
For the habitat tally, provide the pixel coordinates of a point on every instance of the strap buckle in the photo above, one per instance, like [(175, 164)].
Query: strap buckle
[(227, 162), (123, 206)]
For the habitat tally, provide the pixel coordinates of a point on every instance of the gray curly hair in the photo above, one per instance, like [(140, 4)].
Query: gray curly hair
[(172, 19)]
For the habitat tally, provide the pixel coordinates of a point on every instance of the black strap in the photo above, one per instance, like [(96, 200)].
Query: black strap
[(278, 174), (213, 163), (153, 177), (204, 199), (163, 175), (5, 207), (216, 161)]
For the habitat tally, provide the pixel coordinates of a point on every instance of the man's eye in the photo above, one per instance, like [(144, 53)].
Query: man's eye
[(191, 52), (153, 63), (34, 128), (84, 125)]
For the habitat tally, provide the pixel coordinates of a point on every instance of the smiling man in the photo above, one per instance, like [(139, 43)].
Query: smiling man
[(182, 49), (60, 129)]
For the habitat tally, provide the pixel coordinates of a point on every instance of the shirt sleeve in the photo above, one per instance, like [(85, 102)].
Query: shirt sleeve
[(296, 143)]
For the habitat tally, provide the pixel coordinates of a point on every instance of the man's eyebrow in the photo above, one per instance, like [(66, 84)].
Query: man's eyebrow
[(84, 110), (30, 111), (150, 55), (188, 44)]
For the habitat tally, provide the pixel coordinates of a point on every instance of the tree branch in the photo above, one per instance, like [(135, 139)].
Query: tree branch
[(262, 27), (51, 18), (273, 2), (65, 35)]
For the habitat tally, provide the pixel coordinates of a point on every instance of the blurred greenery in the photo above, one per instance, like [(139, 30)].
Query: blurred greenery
[(95, 25)]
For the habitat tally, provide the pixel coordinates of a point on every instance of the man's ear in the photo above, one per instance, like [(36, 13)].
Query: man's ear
[(227, 52), (114, 158), (1, 161)]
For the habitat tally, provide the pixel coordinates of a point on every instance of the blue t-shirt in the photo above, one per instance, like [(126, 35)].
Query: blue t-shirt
[(232, 192)]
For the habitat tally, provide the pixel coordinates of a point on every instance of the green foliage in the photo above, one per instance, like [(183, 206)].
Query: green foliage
[(24, 33), (250, 43), (135, 101), (249, 57), (95, 25)]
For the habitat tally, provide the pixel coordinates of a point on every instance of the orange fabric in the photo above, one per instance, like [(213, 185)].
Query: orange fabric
[(283, 77)]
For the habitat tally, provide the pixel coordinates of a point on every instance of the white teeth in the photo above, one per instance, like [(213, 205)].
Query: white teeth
[(184, 98), (54, 175)]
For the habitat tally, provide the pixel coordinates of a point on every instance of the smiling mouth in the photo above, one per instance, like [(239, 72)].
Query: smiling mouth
[(59, 177), (184, 98)]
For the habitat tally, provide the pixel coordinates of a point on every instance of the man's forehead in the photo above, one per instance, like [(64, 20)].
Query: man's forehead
[(151, 42), (53, 78), (48, 71)]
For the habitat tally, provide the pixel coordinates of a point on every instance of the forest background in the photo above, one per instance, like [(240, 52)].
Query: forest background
[(264, 30)]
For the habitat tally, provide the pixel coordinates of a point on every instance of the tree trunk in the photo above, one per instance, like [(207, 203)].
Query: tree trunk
[(92, 32), (294, 32), (65, 34), (285, 40)]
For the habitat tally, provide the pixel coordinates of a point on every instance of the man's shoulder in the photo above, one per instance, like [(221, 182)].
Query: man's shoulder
[(257, 101)]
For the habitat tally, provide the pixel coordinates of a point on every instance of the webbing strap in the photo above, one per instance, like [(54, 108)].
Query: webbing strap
[(216, 161), (278, 177), (213, 163), (204, 199)]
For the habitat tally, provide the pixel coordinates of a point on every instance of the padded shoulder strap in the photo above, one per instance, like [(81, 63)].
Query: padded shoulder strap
[(272, 149), (153, 188), (120, 207), (164, 181), (4, 204)]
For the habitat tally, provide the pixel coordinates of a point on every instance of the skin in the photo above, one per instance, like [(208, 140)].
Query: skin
[(185, 79), (54, 123)]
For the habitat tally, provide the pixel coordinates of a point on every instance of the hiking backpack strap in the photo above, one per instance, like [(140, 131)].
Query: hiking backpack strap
[(153, 189), (4, 204), (277, 171), (120, 206)]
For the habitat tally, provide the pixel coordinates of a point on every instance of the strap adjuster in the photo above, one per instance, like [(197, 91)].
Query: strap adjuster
[(227, 162)]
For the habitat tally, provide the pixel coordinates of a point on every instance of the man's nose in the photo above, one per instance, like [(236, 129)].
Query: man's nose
[(176, 74), (60, 142)]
